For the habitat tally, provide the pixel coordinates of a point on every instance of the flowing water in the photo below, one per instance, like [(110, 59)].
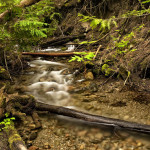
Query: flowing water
[(49, 83), (50, 87)]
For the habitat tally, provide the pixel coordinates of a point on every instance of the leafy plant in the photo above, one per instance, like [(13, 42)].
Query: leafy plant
[(84, 56), (125, 45), (87, 42), (26, 26), (95, 22), (6, 122), (141, 12)]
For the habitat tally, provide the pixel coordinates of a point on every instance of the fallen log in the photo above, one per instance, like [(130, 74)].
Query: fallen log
[(61, 40), (99, 120), (4, 145), (14, 139), (49, 54)]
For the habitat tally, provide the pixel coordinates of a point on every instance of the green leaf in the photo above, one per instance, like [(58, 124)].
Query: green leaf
[(95, 23), (84, 42)]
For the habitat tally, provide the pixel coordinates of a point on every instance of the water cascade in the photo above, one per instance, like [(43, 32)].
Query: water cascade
[(49, 83)]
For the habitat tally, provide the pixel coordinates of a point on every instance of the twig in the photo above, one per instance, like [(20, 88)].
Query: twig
[(7, 66), (97, 51)]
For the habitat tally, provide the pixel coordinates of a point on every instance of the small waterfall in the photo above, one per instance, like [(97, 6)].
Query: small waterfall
[(50, 83)]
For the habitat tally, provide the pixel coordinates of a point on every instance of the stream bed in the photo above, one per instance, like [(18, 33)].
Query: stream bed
[(56, 83)]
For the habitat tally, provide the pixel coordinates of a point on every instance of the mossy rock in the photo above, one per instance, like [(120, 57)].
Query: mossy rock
[(64, 48)]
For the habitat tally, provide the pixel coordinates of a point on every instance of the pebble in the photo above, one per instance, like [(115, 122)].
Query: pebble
[(126, 117), (98, 135), (46, 145), (31, 126), (82, 133), (33, 148), (82, 146), (33, 135)]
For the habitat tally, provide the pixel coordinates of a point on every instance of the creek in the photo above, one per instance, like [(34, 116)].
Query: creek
[(50, 83)]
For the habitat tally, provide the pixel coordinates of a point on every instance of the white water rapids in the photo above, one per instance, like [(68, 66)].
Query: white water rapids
[(50, 83)]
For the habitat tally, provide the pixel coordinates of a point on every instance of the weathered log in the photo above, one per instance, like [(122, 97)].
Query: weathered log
[(98, 120), (49, 54), (14, 139), (61, 40), (4, 145)]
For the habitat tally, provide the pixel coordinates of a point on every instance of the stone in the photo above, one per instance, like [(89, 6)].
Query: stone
[(33, 148), (82, 146), (82, 133), (46, 145), (89, 76), (98, 136), (33, 135)]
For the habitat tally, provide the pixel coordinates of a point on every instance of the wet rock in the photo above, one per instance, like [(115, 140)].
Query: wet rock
[(98, 136), (71, 88), (93, 87), (29, 144), (46, 145), (33, 148), (31, 126), (82, 146), (126, 117), (107, 134), (89, 76), (88, 107), (82, 133), (33, 135)]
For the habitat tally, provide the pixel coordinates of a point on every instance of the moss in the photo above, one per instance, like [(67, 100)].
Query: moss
[(64, 48)]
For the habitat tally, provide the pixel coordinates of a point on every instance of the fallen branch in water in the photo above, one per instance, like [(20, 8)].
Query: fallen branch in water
[(49, 54), (93, 118)]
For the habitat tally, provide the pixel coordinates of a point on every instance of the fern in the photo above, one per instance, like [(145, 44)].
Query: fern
[(147, 1), (29, 25), (95, 22)]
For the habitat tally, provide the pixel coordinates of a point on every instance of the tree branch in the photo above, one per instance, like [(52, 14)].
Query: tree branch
[(49, 54), (93, 118)]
